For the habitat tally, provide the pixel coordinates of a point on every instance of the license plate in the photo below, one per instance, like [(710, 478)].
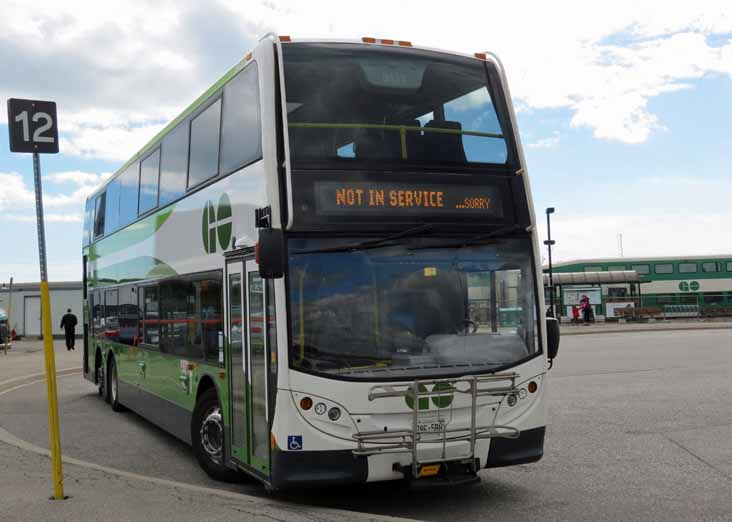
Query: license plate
[(429, 470), (430, 427)]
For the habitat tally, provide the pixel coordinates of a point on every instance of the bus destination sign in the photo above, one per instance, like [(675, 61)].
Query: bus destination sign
[(335, 197)]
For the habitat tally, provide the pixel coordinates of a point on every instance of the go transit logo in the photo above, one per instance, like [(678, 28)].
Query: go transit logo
[(440, 401), (216, 223), (686, 286)]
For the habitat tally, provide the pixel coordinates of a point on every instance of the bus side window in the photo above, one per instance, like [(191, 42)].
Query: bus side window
[(151, 317), (99, 204), (241, 140)]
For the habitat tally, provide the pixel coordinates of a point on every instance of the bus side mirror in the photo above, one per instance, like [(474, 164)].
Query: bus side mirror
[(552, 337), (271, 253)]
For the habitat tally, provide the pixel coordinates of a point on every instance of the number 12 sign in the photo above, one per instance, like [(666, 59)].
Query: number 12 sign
[(32, 125)]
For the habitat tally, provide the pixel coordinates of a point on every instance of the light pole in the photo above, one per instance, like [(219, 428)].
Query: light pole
[(549, 242)]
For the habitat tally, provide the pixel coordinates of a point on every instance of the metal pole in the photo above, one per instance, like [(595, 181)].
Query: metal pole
[(10, 316), (551, 275), (53, 424)]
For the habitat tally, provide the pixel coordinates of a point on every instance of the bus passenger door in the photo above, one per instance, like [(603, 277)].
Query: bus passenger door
[(257, 357), (236, 327)]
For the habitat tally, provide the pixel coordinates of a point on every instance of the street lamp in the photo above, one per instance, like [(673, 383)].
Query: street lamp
[(549, 242)]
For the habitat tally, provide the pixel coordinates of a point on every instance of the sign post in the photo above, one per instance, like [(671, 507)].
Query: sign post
[(10, 316), (33, 128)]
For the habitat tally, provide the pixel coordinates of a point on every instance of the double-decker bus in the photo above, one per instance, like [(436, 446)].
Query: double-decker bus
[(326, 270)]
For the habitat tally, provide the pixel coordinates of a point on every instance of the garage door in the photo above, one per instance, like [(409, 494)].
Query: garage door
[(32, 317)]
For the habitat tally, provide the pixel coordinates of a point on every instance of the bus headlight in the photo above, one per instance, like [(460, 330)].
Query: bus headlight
[(320, 408), (511, 400), (334, 414)]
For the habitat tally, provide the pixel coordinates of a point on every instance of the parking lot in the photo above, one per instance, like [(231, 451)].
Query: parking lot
[(640, 427)]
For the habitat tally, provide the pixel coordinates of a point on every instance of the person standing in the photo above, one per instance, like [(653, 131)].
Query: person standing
[(586, 309), (68, 323)]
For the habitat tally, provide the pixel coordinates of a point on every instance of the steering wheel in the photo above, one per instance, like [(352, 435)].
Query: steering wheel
[(470, 326)]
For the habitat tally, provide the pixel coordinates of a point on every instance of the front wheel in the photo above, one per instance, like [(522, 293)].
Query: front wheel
[(207, 436)]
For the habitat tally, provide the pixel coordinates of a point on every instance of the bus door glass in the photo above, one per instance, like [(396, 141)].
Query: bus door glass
[(237, 368), (258, 363)]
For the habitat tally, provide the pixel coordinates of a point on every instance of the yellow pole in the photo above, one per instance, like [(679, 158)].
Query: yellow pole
[(10, 316), (53, 425)]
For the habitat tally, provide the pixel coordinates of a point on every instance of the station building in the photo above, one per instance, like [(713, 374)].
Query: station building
[(25, 315), (675, 286)]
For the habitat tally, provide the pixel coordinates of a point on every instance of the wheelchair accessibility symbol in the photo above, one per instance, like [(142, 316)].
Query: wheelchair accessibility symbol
[(294, 442)]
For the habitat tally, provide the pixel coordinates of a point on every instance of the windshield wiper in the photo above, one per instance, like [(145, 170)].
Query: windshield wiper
[(473, 239), (371, 243)]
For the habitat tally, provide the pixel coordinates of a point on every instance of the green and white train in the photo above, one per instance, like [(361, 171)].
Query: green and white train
[(701, 282), (326, 270)]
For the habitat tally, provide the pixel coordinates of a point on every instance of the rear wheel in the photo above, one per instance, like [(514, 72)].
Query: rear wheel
[(207, 436), (102, 388), (114, 387)]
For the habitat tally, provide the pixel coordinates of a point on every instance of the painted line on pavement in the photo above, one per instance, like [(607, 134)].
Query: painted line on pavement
[(254, 502), (31, 376)]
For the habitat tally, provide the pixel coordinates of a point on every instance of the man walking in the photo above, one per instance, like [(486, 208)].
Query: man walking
[(68, 323)]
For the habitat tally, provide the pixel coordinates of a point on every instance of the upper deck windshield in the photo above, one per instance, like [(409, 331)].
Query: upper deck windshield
[(349, 102), (410, 309)]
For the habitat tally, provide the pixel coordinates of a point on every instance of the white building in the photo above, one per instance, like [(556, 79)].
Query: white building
[(26, 306)]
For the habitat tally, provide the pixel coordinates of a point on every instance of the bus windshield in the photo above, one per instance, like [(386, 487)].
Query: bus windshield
[(349, 102), (412, 308)]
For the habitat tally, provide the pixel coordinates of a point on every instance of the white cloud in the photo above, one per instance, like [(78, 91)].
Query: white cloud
[(48, 218), (17, 199), (589, 228), (121, 69), (545, 143)]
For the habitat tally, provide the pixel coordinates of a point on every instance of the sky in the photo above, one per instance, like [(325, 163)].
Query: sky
[(623, 107)]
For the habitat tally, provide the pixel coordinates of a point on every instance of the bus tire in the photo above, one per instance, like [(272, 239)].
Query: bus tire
[(102, 388), (207, 437), (113, 385)]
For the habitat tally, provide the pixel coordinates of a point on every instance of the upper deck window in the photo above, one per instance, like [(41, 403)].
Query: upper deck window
[(204, 157), (99, 206), (348, 102), (149, 173)]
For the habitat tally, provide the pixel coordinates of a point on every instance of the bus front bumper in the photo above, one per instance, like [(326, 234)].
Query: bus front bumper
[(301, 469)]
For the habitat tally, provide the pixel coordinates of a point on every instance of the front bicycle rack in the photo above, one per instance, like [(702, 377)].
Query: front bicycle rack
[(408, 440)]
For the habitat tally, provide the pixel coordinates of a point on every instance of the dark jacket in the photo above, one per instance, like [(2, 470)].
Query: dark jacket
[(68, 322)]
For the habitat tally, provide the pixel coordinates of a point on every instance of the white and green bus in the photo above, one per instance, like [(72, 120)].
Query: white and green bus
[(326, 270)]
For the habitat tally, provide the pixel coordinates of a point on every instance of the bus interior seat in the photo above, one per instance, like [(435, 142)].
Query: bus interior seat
[(385, 144), (443, 147)]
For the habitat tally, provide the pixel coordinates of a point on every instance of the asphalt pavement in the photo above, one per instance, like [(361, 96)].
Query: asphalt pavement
[(640, 429)]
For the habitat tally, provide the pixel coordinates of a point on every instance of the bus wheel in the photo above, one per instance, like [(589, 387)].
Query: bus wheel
[(102, 387), (207, 436), (114, 387)]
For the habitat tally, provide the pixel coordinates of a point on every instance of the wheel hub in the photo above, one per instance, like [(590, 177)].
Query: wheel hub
[(212, 434)]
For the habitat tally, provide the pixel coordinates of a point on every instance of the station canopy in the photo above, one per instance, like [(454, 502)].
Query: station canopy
[(593, 278)]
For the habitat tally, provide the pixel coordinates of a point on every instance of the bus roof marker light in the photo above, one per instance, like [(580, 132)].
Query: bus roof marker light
[(404, 43), (368, 39), (285, 38), (387, 41), (481, 56)]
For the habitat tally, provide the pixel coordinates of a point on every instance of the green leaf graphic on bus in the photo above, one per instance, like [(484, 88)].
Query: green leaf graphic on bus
[(216, 222), (440, 401)]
